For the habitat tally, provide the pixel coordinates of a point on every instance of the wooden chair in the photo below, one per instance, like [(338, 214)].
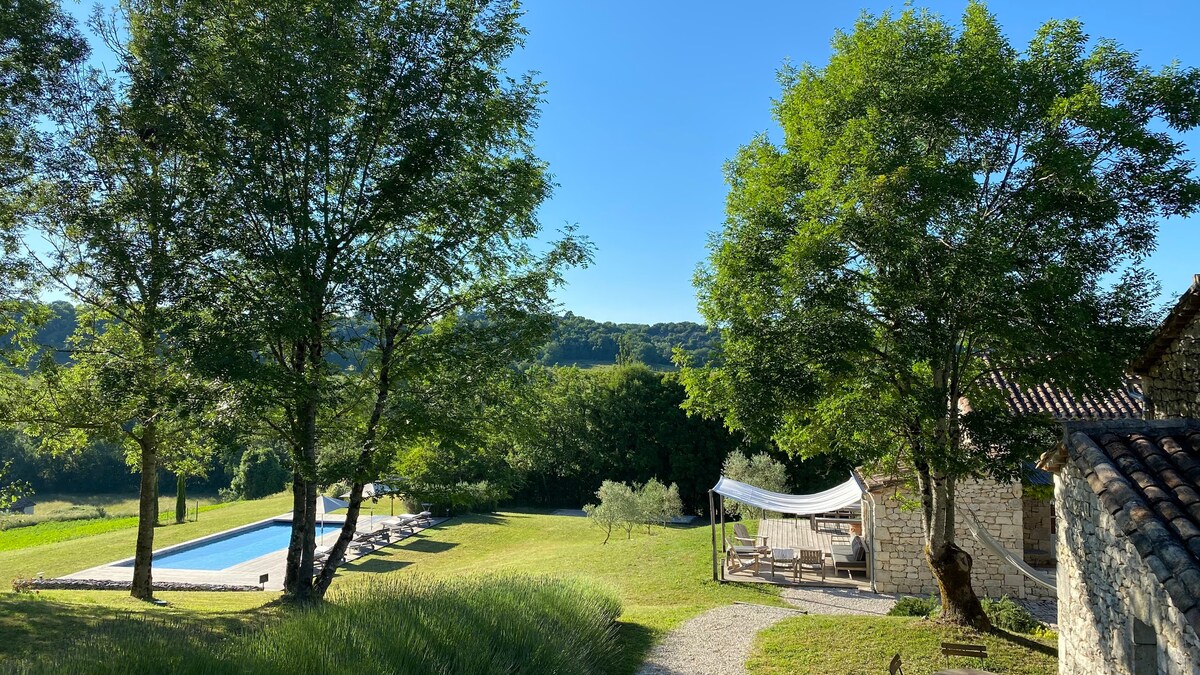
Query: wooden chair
[(956, 649), (785, 557), (736, 557), (812, 560), (742, 536), (896, 668)]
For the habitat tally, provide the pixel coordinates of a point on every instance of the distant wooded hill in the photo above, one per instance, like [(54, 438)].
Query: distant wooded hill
[(576, 341), (583, 342)]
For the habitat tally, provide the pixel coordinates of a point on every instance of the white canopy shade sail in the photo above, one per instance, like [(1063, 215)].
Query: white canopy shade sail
[(840, 497)]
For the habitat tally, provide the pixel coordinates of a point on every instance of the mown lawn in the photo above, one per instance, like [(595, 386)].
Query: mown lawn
[(55, 549), (662, 578), (828, 645)]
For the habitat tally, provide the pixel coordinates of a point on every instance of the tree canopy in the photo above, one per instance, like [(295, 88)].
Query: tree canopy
[(940, 204)]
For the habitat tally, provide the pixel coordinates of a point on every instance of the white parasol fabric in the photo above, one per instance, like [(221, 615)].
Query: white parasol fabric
[(327, 504), (845, 495), (373, 490)]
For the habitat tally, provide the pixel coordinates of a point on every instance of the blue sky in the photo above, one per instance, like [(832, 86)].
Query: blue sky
[(646, 101)]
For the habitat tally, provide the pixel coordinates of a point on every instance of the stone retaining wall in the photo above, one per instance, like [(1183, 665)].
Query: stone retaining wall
[(1114, 614), (110, 585), (899, 542)]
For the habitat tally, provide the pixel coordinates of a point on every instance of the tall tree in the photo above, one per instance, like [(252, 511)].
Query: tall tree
[(117, 199), (941, 204), (39, 48), (376, 163)]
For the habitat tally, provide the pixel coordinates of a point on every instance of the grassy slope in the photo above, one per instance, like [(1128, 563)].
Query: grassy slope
[(662, 578), (53, 556), (858, 644)]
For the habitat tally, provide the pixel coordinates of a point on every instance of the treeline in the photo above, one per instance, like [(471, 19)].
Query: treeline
[(580, 341), (575, 340), (549, 437)]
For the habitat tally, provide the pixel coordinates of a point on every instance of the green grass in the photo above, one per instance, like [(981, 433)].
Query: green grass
[(54, 552), (52, 507), (393, 623), (820, 645), (660, 580)]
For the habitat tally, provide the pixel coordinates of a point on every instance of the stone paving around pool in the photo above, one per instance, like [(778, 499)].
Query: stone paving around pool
[(250, 571)]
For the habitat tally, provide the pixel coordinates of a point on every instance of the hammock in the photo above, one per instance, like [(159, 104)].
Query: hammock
[(986, 539), (840, 497)]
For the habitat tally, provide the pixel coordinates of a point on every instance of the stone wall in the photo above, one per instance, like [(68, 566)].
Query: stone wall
[(1114, 616), (1172, 387), (899, 543), (1039, 540)]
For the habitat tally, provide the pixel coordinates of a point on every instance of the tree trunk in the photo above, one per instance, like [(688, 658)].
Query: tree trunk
[(951, 568), (143, 583), (950, 565), (291, 579), (180, 498), (343, 541)]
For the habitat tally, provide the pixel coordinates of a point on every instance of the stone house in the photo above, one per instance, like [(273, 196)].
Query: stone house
[(1127, 495), (1021, 520)]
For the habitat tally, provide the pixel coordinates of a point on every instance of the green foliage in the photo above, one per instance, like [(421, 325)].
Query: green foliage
[(488, 624), (618, 507), (915, 606), (11, 490), (941, 203), (262, 473), (658, 503), (581, 427), (1006, 614), (580, 341), (759, 470), (627, 507)]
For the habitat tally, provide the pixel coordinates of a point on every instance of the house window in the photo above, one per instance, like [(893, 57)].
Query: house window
[(1145, 649), (1053, 520)]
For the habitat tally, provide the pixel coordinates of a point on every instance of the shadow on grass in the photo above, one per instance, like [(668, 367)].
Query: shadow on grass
[(1027, 643), (426, 545), (635, 641), (32, 625), (379, 565)]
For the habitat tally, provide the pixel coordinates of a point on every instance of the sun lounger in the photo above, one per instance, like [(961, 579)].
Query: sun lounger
[(849, 554), (401, 524)]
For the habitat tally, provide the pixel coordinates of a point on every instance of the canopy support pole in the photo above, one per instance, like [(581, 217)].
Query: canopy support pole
[(721, 508), (712, 526)]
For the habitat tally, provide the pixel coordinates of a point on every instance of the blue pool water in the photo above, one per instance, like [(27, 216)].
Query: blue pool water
[(236, 548)]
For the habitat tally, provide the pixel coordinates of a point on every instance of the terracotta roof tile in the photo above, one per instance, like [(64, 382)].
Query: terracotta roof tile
[(1146, 474), (1063, 405)]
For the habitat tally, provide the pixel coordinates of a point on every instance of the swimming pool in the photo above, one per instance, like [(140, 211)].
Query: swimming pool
[(233, 549)]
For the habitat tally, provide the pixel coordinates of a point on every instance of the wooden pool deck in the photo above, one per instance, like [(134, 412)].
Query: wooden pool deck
[(796, 533)]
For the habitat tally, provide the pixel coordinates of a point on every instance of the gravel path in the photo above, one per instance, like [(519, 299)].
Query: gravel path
[(716, 642), (837, 601)]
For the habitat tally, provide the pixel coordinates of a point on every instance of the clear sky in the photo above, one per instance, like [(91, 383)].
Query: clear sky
[(646, 100)]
